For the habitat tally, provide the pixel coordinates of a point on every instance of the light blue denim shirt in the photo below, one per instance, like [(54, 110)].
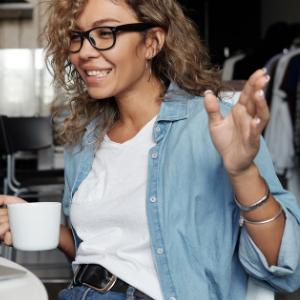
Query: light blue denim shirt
[(199, 249)]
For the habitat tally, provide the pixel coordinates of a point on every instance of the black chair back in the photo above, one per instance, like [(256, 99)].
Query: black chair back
[(27, 133), (3, 139)]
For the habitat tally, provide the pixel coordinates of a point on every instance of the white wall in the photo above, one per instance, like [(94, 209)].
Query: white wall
[(25, 85), (23, 33)]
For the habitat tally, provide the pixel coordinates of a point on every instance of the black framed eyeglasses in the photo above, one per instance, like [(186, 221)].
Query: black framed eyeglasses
[(103, 37)]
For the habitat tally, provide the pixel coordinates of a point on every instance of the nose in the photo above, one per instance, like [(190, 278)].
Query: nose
[(88, 51)]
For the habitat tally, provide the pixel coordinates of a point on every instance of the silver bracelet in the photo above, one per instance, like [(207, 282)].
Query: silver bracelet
[(256, 204), (244, 220)]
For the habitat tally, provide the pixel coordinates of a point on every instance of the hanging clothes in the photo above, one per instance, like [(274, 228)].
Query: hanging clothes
[(279, 133), (297, 123), (270, 66), (289, 84), (228, 67)]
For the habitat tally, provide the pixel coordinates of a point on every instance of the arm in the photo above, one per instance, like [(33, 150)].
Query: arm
[(285, 275), (66, 242), (237, 139), (269, 252), (249, 187)]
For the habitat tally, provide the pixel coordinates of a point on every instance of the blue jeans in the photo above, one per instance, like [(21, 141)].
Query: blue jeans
[(86, 293)]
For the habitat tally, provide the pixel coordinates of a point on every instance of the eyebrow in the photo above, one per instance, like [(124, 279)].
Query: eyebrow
[(100, 22)]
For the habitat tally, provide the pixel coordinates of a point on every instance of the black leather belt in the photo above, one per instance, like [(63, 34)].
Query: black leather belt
[(100, 279)]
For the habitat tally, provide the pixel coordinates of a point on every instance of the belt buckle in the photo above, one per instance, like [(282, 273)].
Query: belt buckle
[(111, 282)]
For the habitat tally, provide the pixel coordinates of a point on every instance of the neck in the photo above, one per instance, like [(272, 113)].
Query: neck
[(138, 106)]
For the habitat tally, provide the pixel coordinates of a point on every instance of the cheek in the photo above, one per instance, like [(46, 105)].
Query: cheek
[(75, 63), (74, 60), (129, 49), (128, 60)]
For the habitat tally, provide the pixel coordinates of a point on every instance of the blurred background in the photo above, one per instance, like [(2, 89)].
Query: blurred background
[(241, 37)]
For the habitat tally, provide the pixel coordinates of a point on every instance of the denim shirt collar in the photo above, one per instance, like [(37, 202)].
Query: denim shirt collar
[(173, 108), (175, 104)]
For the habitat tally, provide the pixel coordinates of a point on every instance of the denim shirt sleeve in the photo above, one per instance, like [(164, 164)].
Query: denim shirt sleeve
[(286, 275)]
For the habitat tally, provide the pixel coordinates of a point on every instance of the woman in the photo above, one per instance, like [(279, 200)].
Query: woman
[(171, 194)]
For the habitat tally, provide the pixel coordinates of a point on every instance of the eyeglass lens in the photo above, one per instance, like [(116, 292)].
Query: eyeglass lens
[(100, 38)]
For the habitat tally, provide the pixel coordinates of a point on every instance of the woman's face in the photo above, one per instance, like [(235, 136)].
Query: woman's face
[(117, 71)]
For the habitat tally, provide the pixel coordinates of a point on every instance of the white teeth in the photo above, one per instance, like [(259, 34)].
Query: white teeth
[(98, 73)]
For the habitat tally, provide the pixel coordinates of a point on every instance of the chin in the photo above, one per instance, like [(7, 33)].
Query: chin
[(99, 94)]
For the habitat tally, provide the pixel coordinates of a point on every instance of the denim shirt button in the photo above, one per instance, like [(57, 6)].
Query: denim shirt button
[(154, 155), (157, 129), (153, 199), (160, 251), (172, 298)]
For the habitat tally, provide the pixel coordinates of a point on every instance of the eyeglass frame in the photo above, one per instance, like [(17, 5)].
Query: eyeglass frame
[(131, 27)]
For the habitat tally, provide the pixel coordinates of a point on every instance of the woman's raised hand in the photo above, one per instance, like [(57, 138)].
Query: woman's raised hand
[(237, 135), (5, 234)]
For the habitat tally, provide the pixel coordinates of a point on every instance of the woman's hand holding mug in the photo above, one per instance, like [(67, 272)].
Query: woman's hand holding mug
[(5, 234), (29, 226)]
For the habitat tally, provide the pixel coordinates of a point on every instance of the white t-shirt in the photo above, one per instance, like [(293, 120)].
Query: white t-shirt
[(108, 212)]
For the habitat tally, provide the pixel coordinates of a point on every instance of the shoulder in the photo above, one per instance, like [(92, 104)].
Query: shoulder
[(88, 138)]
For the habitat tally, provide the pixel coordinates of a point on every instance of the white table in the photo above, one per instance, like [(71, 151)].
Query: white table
[(27, 287)]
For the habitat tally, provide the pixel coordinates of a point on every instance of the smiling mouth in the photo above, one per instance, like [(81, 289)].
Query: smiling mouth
[(98, 73)]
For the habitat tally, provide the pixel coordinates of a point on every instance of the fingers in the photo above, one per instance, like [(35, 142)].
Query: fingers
[(4, 225), (3, 220), (212, 108), (262, 110), (256, 83), (7, 238), (3, 212), (258, 123), (4, 199), (5, 234)]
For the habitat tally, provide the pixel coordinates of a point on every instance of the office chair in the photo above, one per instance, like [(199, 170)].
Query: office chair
[(28, 135), (2, 160)]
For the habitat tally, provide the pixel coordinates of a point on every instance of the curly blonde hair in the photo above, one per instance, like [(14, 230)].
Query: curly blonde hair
[(183, 59)]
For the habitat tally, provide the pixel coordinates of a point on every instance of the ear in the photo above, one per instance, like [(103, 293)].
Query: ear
[(154, 42)]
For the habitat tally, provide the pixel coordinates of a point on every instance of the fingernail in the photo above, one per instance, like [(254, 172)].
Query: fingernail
[(208, 92), (267, 78), (264, 70), (257, 120)]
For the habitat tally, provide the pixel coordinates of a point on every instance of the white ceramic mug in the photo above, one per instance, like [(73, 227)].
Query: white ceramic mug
[(35, 226)]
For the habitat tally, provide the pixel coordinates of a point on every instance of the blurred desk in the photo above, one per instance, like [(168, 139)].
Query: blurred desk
[(28, 287)]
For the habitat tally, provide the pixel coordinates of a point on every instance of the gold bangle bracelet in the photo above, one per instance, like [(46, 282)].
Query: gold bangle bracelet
[(243, 220)]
